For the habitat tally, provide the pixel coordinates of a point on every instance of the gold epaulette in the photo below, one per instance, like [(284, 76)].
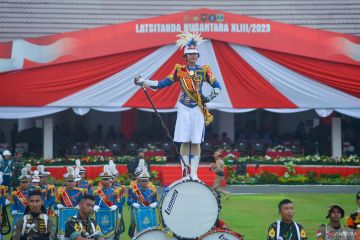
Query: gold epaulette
[(152, 187), (132, 183)]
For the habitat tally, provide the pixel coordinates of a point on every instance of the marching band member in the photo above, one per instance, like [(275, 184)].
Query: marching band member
[(192, 114), (143, 194), (83, 183), (106, 196), (19, 198), (48, 190), (68, 196)]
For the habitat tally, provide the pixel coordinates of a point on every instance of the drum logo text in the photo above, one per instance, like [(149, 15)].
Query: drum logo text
[(222, 237), (172, 202)]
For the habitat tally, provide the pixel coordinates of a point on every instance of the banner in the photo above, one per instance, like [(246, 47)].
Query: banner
[(162, 30)]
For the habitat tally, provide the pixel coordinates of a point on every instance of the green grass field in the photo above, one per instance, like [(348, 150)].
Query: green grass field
[(251, 214)]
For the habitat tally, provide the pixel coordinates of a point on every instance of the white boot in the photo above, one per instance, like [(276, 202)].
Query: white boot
[(195, 160), (186, 161)]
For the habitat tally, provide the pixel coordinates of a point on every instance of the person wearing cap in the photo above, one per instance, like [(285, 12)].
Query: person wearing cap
[(106, 197), (68, 196), (286, 228), (141, 193), (192, 115), (333, 230), (353, 220), (48, 190), (35, 181), (6, 166), (84, 184), (19, 198)]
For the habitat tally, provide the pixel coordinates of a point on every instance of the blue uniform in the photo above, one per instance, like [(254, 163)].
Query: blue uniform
[(149, 194), (3, 195), (19, 200), (75, 196), (85, 185), (201, 74), (114, 195), (48, 192)]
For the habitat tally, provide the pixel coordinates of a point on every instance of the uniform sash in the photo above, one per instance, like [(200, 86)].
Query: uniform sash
[(66, 199), (104, 197), (140, 197), (190, 90), (22, 198)]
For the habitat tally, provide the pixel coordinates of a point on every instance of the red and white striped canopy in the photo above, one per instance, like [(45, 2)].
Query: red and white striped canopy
[(250, 78)]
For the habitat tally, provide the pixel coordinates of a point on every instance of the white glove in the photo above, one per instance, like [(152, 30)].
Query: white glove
[(153, 205), (7, 202), (57, 212), (113, 207), (77, 206), (14, 212), (59, 206), (136, 205), (145, 82), (213, 93), (96, 208)]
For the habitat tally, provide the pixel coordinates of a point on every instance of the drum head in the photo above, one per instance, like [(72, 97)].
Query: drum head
[(152, 234), (189, 209), (220, 234)]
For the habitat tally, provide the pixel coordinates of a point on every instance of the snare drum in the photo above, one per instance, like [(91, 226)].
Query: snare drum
[(152, 234), (189, 208), (219, 233)]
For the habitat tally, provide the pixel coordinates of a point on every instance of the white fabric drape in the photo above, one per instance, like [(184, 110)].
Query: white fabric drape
[(324, 112), (350, 112), (208, 57), (28, 112), (301, 90), (287, 110), (119, 88)]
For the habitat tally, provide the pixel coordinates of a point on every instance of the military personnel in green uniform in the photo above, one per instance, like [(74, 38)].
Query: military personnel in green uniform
[(286, 228), (334, 230), (82, 227), (35, 224)]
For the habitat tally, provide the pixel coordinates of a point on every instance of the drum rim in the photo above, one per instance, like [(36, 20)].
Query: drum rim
[(216, 230), (147, 230), (173, 185)]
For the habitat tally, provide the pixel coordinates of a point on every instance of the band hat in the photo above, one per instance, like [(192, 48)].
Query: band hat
[(140, 168), (42, 172), (35, 177), (81, 168), (28, 169), (70, 175), (24, 176), (189, 41), (332, 206), (106, 173), (77, 175), (112, 167), (6, 153)]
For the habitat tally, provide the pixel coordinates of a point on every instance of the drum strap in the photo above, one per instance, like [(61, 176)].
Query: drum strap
[(22, 198), (66, 199), (105, 198), (139, 196)]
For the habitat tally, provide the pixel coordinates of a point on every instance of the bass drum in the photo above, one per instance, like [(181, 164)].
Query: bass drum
[(189, 208), (221, 234), (153, 234)]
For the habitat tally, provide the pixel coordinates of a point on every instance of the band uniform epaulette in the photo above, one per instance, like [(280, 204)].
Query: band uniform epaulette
[(152, 186), (82, 190), (132, 183)]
